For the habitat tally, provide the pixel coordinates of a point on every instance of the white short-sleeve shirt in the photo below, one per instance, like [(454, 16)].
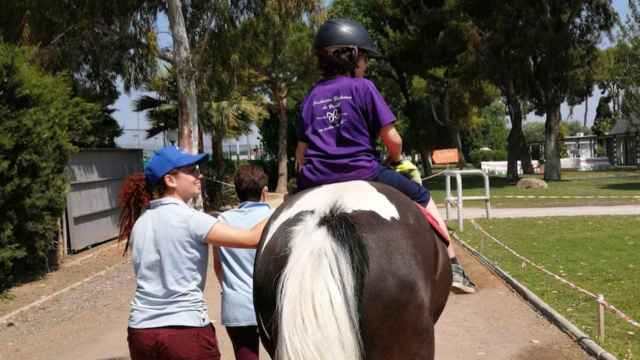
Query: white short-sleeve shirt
[(170, 256)]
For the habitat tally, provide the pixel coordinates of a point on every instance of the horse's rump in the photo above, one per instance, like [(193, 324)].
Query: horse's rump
[(363, 270)]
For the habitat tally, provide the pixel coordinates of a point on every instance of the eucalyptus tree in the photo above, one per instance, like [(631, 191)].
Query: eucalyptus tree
[(278, 46)]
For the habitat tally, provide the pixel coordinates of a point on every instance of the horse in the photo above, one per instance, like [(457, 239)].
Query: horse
[(349, 271)]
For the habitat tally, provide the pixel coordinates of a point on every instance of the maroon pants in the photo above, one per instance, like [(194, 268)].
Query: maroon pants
[(245, 341), (173, 343)]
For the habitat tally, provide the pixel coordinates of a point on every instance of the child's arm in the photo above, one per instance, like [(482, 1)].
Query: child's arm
[(300, 149), (392, 141)]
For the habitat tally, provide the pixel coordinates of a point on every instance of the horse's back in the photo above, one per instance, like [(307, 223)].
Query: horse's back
[(405, 283)]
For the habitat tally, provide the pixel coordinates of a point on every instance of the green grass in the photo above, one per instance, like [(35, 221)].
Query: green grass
[(600, 254), (622, 184)]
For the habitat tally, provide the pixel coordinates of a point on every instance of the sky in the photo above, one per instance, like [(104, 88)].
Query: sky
[(134, 123)]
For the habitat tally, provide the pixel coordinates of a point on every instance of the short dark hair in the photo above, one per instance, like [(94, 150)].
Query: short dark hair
[(250, 179)]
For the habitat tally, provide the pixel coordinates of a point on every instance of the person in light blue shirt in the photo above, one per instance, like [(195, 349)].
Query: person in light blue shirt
[(170, 251), (234, 267)]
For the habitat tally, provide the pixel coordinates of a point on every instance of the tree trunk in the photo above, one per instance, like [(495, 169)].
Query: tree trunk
[(281, 186), (188, 105), (426, 162), (586, 109), (525, 157), (517, 143), (552, 143), (218, 152), (454, 130), (514, 139)]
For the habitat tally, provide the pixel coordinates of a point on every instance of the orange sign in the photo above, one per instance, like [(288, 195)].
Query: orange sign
[(445, 156)]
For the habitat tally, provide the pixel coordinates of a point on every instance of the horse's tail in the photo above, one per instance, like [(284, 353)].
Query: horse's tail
[(320, 290)]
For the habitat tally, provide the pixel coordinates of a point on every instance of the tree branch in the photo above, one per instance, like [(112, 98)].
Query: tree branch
[(166, 55)]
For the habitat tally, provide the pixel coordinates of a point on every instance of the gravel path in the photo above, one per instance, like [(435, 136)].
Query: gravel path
[(89, 321)]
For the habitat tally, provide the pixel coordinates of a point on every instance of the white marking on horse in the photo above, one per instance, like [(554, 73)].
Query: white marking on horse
[(350, 196)]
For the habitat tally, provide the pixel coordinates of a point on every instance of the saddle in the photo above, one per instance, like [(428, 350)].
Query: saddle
[(434, 224)]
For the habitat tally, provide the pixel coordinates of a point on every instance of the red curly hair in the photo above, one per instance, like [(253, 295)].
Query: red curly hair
[(134, 197)]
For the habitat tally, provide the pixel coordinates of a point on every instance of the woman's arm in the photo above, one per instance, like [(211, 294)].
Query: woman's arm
[(224, 235), (392, 141), (300, 149)]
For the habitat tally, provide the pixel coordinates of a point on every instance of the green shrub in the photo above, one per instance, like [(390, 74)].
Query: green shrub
[(38, 121), (478, 156)]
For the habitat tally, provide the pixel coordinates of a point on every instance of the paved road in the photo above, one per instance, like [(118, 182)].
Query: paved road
[(475, 213)]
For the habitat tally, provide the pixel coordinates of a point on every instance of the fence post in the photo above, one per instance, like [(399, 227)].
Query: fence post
[(601, 309)]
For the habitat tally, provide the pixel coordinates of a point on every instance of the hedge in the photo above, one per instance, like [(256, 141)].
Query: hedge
[(38, 121)]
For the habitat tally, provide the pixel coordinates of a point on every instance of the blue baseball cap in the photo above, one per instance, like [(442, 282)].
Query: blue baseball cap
[(167, 159)]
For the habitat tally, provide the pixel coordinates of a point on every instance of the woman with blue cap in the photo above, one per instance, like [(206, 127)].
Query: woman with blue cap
[(170, 252)]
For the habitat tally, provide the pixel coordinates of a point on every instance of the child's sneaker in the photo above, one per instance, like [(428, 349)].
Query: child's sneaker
[(461, 282)]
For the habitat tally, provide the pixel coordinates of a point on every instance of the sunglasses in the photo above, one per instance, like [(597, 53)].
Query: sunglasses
[(188, 170)]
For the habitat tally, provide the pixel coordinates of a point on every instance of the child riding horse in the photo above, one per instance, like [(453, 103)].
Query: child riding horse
[(344, 115), (350, 271)]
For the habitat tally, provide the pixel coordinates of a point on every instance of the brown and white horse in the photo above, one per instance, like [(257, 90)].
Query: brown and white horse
[(350, 271)]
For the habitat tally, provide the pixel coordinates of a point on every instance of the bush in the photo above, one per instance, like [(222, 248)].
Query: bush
[(40, 119), (478, 156)]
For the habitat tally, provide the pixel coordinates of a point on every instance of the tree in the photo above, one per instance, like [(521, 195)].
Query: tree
[(489, 129), (564, 41), (610, 77), (279, 47), (626, 70), (455, 90), (502, 47), (232, 118), (162, 106), (187, 98), (40, 120), (534, 132), (573, 128), (95, 43), (435, 94), (604, 120)]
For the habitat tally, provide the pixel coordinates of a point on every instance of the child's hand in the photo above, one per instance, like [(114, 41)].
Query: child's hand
[(407, 169)]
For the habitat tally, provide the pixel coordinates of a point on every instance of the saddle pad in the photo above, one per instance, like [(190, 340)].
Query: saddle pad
[(434, 224)]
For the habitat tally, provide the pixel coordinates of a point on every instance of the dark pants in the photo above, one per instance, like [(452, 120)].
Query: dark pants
[(173, 343), (245, 341), (413, 190), (385, 175)]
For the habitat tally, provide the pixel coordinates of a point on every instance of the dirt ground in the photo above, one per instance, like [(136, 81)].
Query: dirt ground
[(89, 321)]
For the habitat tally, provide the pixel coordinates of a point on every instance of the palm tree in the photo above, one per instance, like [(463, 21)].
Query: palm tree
[(162, 109), (229, 119)]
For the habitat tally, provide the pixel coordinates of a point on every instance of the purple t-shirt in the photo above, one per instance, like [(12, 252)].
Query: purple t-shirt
[(340, 121)]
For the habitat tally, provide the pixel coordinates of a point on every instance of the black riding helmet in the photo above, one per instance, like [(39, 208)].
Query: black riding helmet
[(345, 32)]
